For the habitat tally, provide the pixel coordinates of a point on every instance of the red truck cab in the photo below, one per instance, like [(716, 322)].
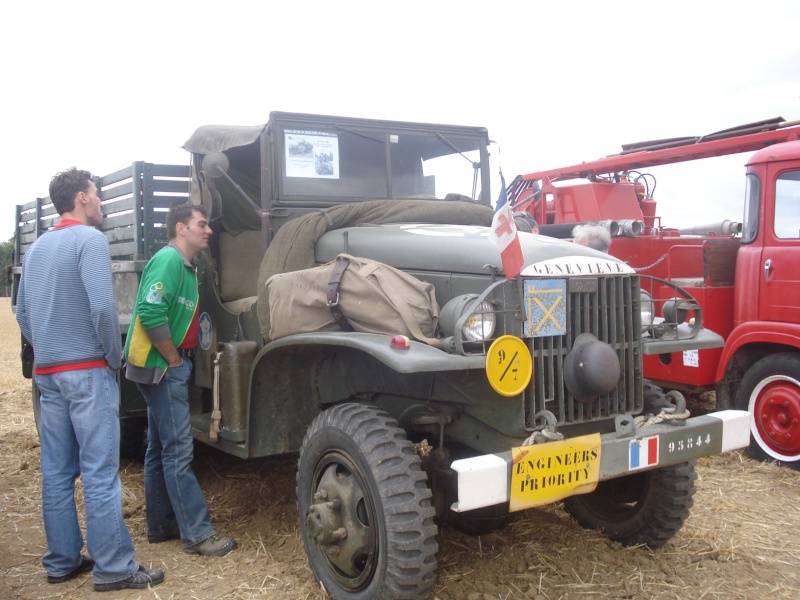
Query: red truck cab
[(760, 365), (745, 276)]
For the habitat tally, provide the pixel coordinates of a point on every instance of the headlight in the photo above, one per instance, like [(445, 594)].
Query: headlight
[(648, 309), (676, 310), (478, 326)]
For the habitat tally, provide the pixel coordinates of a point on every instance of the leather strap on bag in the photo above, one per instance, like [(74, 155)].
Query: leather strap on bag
[(339, 267)]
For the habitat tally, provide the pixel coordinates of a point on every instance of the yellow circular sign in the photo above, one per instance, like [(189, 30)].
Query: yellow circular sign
[(509, 365)]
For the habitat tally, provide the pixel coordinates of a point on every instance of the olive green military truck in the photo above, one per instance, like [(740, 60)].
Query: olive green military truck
[(521, 392)]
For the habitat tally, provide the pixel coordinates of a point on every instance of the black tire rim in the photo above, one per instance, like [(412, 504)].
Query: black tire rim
[(340, 498)]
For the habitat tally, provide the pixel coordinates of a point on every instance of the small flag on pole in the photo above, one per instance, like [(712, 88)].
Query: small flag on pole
[(504, 234)]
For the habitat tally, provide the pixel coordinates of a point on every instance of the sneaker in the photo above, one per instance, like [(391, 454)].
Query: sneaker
[(87, 564), (138, 581), (213, 546), (158, 537)]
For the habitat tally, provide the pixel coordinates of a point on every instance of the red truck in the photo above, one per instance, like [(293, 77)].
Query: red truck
[(745, 276)]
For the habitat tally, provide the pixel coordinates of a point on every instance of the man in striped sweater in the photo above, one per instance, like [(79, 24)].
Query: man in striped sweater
[(66, 309)]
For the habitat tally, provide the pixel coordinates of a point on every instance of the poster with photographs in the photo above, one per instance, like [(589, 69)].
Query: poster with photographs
[(312, 154)]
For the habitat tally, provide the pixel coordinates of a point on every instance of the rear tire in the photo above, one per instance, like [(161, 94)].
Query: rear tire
[(644, 508), (37, 407), (770, 392), (131, 438), (481, 521)]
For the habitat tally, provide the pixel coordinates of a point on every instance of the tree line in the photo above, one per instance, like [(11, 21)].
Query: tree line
[(6, 262)]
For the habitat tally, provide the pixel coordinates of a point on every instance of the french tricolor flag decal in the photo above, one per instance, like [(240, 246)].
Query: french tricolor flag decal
[(642, 453)]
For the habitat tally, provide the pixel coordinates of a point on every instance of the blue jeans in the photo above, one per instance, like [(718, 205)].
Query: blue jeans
[(79, 434), (173, 497)]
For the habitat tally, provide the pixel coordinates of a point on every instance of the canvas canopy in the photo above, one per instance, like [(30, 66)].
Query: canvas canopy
[(218, 138)]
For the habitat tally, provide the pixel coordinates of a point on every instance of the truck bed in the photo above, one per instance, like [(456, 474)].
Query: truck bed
[(135, 203)]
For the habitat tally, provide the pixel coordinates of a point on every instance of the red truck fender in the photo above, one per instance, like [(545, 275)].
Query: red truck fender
[(757, 332)]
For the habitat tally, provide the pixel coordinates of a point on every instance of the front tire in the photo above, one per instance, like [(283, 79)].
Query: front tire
[(365, 507), (770, 392), (654, 399), (644, 508)]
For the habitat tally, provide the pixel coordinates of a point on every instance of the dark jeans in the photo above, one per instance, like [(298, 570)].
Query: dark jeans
[(173, 496)]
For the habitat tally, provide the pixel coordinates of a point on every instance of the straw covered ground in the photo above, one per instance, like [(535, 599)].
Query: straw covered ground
[(741, 540)]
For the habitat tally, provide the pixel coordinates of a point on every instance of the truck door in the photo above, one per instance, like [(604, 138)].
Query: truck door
[(779, 280)]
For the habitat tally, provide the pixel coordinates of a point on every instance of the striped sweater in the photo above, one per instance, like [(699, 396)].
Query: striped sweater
[(65, 304)]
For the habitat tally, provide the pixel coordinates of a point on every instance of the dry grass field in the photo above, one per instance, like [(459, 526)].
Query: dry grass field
[(741, 540)]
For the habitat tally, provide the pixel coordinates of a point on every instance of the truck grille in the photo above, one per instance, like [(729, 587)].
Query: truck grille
[(612, 314)]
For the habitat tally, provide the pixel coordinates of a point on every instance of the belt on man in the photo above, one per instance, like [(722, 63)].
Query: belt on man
[(186, 352)]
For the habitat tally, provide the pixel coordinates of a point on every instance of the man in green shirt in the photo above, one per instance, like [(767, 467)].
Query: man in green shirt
[(158, 350)]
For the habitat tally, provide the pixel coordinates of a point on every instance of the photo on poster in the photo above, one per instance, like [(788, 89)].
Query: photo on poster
[(312, 154)]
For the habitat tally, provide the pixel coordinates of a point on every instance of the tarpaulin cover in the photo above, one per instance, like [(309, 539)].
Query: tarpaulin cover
[(292, 248)]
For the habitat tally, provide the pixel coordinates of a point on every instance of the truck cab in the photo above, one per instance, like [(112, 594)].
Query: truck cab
[(760, 366), (528, 389)]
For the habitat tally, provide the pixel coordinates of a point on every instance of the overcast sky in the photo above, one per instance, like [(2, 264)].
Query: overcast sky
[(99, 85)]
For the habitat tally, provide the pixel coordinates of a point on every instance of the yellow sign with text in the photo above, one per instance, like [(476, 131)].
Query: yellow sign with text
[(509, 365), (545, 473)]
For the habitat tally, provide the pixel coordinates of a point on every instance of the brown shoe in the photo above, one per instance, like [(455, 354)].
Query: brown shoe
[(214, 546)]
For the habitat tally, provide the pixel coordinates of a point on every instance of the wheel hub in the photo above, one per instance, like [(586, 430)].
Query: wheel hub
[(341, 524), (324, 523), (777, 415)]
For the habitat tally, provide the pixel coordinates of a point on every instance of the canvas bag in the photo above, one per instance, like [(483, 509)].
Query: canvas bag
[(372, 297)]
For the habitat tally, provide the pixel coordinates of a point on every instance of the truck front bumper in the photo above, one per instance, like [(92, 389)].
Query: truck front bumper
[(545, 473)]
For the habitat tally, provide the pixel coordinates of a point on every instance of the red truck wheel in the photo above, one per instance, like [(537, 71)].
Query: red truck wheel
[(770, 391)]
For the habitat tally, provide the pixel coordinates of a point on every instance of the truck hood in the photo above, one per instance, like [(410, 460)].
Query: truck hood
[(457, 249)]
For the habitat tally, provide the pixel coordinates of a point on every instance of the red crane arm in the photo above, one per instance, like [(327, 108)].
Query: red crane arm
[(745, 138)]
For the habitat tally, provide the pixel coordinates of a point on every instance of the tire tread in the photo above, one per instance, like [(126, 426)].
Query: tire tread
[(405, 500)]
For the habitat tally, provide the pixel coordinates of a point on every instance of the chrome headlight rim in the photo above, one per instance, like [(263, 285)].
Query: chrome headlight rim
[(480, 324), (647, 308), (472, 322)]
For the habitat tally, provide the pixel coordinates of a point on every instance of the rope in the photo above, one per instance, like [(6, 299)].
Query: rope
[(663, 417), (541, 437)]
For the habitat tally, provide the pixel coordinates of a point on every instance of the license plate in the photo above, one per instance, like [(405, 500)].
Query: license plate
[(545, 473)]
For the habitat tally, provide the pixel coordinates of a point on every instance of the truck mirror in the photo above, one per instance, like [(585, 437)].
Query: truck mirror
[(215, 164)]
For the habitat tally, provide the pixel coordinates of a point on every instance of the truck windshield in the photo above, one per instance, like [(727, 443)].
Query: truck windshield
[(348, 162), (787, 206), (751, 207)]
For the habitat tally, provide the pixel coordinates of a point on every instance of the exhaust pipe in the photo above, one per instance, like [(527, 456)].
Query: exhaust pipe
[(631, 227), (726, 227), (611, 225), (564, 230)]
